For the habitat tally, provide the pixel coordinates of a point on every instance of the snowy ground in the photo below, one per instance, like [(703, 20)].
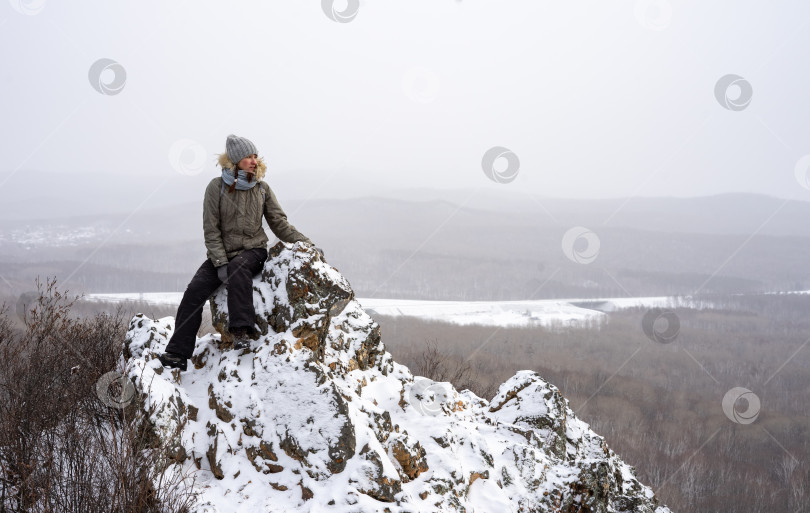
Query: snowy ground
[(544, 312), (315, 416)]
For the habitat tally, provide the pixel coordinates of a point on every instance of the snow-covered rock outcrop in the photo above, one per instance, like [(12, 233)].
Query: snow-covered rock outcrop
[(318, 417)]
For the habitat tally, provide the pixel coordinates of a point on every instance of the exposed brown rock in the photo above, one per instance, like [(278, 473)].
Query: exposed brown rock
[(479, 475), (223, 413), (211, 454), (410, 455)]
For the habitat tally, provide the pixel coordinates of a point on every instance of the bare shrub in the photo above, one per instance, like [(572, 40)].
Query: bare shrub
[(440, 366), (61, 447)]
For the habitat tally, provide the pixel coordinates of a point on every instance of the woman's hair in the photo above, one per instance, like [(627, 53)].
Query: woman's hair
[(235, 177)]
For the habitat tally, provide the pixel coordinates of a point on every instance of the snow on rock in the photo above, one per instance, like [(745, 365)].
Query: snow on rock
[(317, 416)]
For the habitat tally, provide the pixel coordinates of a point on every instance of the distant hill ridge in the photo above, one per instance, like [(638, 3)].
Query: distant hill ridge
[(733, 213)]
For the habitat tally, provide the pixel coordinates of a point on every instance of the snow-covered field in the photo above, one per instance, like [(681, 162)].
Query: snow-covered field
[(543, 312), (53, 235)]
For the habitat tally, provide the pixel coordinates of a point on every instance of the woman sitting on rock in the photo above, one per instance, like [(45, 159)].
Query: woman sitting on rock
[(232, 221)]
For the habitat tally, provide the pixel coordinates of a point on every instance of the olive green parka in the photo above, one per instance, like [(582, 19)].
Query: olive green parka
[(232, 221)]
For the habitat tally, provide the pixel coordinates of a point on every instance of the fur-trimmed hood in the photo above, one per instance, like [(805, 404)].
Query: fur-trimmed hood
[(261, 167)]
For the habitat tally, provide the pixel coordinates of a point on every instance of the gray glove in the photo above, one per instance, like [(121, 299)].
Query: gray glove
[(222, 273)]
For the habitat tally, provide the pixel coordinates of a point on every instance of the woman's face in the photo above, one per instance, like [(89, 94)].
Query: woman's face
[(248, 164)]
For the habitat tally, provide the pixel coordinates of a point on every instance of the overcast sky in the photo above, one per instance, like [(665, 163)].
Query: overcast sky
[(594, 98)]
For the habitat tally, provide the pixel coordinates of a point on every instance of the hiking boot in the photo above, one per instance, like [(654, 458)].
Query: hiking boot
[(241, 340), (173, 361)]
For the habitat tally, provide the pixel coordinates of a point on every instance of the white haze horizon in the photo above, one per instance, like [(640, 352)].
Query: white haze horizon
[(596, 100)]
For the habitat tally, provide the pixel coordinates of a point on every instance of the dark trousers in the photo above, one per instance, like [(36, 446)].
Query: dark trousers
[(241, 313)]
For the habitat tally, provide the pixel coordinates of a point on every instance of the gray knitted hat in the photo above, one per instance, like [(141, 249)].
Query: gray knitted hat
[(238, 148)]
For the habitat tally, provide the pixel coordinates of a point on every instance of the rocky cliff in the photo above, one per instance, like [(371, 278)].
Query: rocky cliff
[(317, 416)]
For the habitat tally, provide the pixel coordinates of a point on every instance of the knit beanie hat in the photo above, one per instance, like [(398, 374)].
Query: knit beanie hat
[(238, 148)]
